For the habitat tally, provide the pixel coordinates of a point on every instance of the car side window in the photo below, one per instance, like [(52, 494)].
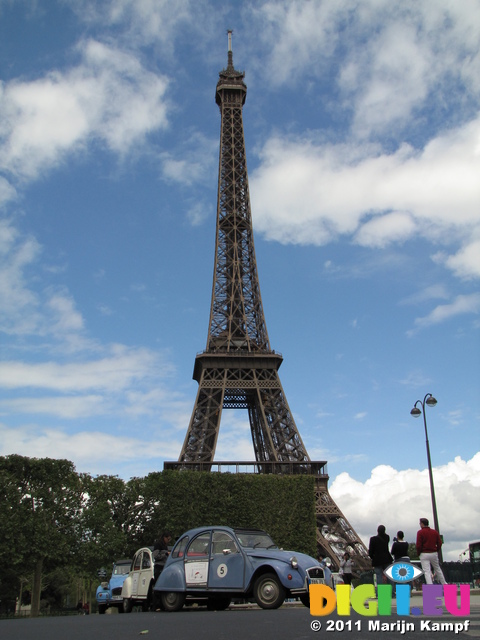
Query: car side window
[(136, 562), (223, 543), (199, 546), (179, 550), (146, 564)]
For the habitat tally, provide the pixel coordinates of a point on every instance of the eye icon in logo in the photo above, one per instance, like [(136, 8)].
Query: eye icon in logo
[(402, 572)]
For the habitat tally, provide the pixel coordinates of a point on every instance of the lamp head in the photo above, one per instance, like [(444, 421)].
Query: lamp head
[(431, 401), (415, 412)]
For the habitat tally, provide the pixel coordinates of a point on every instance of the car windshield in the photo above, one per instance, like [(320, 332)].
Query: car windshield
[(255, 540), (121, 569)]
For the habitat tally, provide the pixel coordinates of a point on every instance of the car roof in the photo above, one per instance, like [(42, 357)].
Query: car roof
[(252, 531), (207, 528), (198, 530)]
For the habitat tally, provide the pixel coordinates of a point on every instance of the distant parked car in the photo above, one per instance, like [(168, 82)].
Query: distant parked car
[(109, 594), (138, 585), (212, 565)]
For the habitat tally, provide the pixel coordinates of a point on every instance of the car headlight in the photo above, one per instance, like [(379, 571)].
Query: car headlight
[(294, 562)]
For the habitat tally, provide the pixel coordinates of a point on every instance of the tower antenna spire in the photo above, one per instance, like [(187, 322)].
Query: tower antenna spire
[(230, 53)]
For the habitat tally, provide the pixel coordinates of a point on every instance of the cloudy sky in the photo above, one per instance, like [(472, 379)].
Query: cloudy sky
[(362, 125)]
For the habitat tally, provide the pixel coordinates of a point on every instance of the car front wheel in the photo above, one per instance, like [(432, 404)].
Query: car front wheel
[(127, 605), (268, 591), (305, 599), (172, 601), (102, 608)]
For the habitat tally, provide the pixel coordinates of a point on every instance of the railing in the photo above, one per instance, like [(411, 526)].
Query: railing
[(288, 468)]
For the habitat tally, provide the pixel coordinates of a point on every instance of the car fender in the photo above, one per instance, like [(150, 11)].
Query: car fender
[(172, 578), (127, 588), (283, 571)]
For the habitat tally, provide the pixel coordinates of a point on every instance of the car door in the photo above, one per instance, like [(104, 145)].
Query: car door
[(227, 563), (137, 564), (145, 575), (197, 558)]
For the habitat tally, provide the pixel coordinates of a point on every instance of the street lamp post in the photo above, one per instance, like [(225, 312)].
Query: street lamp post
[(415, 412)]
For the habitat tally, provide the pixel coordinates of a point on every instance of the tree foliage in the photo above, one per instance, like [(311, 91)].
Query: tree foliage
[(42, 507)]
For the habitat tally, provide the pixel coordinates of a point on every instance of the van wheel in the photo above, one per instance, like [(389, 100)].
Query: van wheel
[(268, 591), (172, 601)]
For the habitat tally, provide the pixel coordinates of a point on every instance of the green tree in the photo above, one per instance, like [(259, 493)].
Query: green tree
[(42, 515), (103, 533)]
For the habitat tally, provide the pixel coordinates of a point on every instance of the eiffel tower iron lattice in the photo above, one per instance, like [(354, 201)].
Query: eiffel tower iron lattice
[(238, 369)]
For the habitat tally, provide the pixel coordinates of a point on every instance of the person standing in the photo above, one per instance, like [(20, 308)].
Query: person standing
[(429, 544), (379, 553), (346, 568), (399, 547), (161, 553)]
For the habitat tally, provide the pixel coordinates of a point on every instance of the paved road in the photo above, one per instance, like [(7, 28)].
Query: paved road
[(287, 623)]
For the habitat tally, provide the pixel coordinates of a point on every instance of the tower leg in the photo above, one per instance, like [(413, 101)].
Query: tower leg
[(202, 435), (335, 535)]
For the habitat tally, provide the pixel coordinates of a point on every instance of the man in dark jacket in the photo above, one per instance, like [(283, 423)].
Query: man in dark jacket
[(429, 543), (379, 553)]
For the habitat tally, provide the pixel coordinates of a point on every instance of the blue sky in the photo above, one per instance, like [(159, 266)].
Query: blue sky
[(362, 126)]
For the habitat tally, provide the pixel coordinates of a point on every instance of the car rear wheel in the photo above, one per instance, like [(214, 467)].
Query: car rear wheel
[(127, 605), (268, 591), (172, 601)]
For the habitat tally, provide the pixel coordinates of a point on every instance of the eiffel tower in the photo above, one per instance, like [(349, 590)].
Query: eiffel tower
[(238, 369)]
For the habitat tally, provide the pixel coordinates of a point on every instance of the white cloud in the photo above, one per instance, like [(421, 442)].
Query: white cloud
[(432, 292), (392, 56), (108, 96), (18, 303), (121, 368), (398, 499), (466, 263), (360, 416), (144, 21), (80, 406), (310, 193), (94, 452), (463, 304), (386, 229)]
